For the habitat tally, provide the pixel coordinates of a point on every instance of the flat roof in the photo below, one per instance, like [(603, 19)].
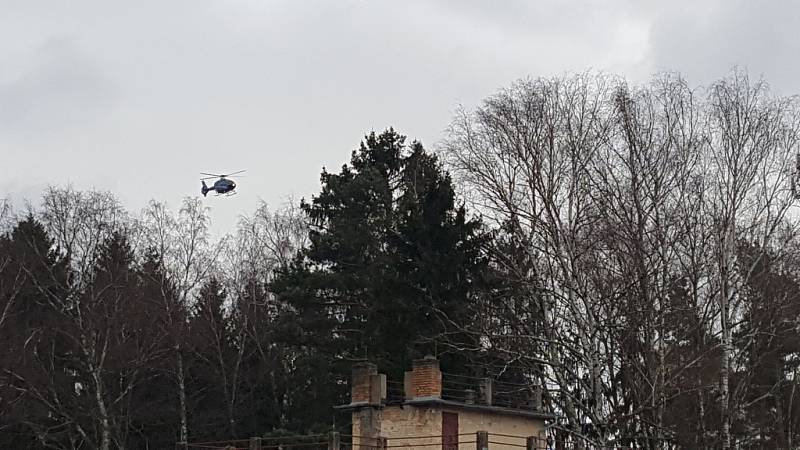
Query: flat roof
[(438, 402)]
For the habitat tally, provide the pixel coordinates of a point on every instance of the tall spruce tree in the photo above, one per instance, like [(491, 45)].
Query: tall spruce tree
[(209, 364), (32, 288), (393, 263), (154, 415)]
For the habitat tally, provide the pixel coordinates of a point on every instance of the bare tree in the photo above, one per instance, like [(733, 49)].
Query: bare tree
[(527, 154), (6, 214), (264, 242), (79, 222), (86, 342), (753, 143), (640, 187), (182, 242), (8, 291), (270, 239), (630, 203)]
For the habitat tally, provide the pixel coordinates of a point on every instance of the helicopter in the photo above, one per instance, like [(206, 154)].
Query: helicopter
[(221, 186)]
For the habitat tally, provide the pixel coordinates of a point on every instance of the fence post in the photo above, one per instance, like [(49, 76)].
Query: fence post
[(532, 443), (333, 440), (382, 442), (255, 443), (482, 440), (182, 446)]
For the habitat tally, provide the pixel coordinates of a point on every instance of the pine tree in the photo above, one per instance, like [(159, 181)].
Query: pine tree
[(392, 266)]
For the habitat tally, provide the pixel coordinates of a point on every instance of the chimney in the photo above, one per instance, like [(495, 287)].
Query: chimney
[(377, 389), (425, 378), (408, 386), (361, 383)]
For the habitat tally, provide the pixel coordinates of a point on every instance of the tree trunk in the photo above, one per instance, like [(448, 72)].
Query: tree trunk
[(105, 427), (725, 363), (184, 436), (724, 388)]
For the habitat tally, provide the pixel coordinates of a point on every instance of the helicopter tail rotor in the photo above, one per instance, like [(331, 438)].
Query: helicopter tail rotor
[(204, 190)]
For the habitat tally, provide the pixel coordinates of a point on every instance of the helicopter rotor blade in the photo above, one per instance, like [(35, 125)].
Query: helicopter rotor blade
[(222, 175), (209, 178)]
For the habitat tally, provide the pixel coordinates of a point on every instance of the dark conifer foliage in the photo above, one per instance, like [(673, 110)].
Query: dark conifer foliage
[(770, 342), (392, 261), (32, 294), (212, 348)]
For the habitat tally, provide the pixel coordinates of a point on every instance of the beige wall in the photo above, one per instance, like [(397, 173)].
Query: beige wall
[(470, 422), (398, 425)]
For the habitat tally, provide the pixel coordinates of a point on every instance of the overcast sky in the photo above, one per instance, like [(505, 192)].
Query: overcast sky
[(138, 97)]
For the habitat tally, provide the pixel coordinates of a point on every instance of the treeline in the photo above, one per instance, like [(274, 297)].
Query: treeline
[(632, 249), (122, 332), (140, 331)]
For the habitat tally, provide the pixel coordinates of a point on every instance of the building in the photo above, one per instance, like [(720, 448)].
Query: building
[(430, 408)]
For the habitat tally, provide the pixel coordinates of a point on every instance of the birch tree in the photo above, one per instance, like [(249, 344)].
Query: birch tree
[(527, 155), (631, 203), (264, 241), (80, 222), (182, 242), (6, 213), (753, 142)]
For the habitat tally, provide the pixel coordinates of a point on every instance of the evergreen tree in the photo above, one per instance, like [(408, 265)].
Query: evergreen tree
[(212, 349), (32, 282), (393, 263), (154, 414), (769, 343)]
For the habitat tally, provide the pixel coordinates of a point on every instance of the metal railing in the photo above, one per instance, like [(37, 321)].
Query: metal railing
[(479, 391), (480, 440), (293, 442), (395, 392), (487, 391)]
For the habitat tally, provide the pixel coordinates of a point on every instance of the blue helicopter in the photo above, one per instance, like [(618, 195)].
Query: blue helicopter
[(221, 186)]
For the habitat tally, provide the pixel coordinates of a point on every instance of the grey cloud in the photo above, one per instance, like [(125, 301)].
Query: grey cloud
[(705, 42), (158, 91), (60, 88)]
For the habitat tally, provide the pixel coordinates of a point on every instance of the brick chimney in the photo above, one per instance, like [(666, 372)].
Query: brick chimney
[(424, 380), (361, 382), (367, 385)]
